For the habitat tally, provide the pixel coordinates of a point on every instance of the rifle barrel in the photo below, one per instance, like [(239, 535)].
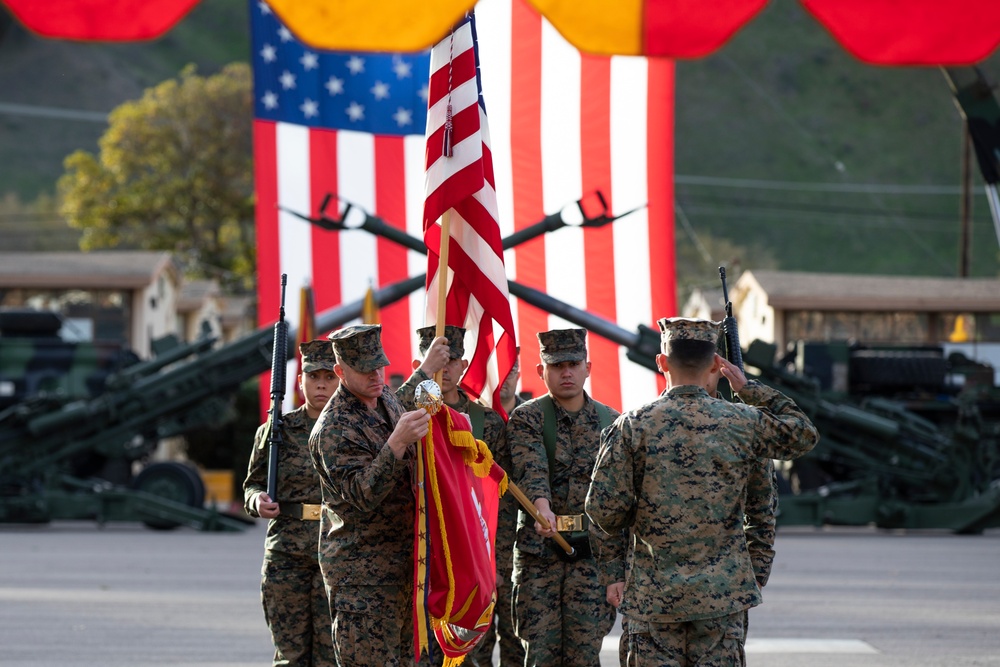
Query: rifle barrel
[(278, 365)]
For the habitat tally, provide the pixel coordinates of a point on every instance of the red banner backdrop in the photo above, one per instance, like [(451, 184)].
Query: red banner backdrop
[(885, 32)]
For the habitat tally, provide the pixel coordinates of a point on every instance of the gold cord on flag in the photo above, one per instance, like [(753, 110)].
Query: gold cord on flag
[(447, 148)]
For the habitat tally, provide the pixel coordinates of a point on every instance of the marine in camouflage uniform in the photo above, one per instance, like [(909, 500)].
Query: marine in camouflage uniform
[(561, 611), (362, 447), (291, 589), (674, 473), (488, 426)]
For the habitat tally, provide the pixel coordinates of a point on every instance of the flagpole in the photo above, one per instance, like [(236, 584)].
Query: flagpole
[(530, 508), (442, 281)]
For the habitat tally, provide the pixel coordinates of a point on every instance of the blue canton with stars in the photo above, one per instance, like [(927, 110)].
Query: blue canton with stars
[(366, 92)]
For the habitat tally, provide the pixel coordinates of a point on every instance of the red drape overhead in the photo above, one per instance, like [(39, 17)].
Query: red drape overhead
[(912, 32), (100, 20), (688, 27), (885, 32)]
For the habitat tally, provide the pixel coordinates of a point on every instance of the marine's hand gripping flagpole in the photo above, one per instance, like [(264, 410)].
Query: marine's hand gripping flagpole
[(530, 508)]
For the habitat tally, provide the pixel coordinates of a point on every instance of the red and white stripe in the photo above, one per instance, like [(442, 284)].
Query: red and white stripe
[(561, 125), (575, 124), (295, 169)]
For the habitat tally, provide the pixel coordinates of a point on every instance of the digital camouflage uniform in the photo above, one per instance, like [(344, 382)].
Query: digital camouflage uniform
[(560, 608), (674, 472), (366, 527), (494, 435), (295, 604), (760, 522)]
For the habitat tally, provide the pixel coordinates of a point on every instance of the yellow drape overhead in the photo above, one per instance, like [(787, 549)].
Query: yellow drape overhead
[(371, 25)]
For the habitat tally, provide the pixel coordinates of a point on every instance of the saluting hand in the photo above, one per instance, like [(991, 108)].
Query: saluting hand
[(411, 427), (732, 372)]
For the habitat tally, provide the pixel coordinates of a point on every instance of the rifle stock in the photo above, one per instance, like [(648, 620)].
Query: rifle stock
[(279, 361)]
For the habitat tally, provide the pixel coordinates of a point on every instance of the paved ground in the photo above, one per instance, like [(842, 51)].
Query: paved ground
[(73, 594)]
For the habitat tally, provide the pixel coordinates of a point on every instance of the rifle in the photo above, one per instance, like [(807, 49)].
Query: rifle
[(279, 360), (730, 330)]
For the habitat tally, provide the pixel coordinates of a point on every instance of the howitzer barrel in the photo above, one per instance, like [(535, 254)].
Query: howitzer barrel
[(860, 419), (176, 353), (90, 413), (335, 317), (549, 223), (379, 227), (642, 346)]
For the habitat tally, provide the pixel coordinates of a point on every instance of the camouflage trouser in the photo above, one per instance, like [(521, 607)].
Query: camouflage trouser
[(746, 630), (561, 612), (511, 651), (372, 626), (713, 642), (296, 611)]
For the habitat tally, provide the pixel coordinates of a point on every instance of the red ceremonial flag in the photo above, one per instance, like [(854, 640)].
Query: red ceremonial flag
[(461, 186), (454, 572)]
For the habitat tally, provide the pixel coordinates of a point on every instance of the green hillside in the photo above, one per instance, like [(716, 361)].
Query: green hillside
[(786, 147), (783, 102)]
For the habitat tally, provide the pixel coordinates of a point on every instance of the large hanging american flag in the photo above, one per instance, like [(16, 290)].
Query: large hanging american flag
[(561, 125)]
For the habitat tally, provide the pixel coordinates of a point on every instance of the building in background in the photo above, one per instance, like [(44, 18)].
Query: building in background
[(130, 297), (784, 308)]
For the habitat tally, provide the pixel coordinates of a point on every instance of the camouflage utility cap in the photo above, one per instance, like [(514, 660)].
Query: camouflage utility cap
[(317, 355), (455, 336), (561, 345), (686, 328), (360, 347)]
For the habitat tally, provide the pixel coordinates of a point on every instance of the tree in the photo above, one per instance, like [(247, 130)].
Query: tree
[(699, 256), (174, 172)]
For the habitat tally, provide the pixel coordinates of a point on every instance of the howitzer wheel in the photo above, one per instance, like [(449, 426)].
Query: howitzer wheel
[(174, 481)]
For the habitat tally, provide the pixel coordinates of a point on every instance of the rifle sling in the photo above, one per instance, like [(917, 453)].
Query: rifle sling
[(477, 418), (550, 425)]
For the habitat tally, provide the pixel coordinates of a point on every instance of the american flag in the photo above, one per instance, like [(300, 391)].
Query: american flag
[(561, 125), (347, 124), (460, 193)]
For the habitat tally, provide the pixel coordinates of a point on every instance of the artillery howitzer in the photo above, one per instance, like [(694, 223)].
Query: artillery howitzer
[(880, 462), (70, 457)]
